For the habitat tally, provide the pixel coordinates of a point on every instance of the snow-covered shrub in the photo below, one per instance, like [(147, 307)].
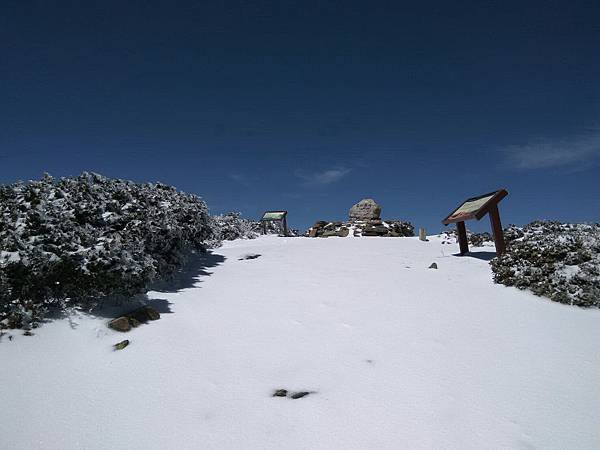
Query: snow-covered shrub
[(402, 228), (78, 240), (271, 227), (230, 226), (478, 239), (556, 260), (475, 239), (513, 232)]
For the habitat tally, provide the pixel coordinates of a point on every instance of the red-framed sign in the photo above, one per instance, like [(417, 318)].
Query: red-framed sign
[(476, 208)]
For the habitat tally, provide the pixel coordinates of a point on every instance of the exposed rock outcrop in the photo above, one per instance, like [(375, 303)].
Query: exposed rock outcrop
[(358, 228), (364, 220)]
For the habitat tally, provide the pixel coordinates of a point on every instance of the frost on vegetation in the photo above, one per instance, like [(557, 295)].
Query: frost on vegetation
[(75, 241), (557, 260), (475, 239), (231, 226)]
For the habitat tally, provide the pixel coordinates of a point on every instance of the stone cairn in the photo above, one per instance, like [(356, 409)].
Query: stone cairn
[(364, 219)]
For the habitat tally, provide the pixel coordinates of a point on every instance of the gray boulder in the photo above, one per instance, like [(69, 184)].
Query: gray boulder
[(366, 209)]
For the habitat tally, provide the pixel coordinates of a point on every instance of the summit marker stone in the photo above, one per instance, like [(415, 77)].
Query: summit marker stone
[(366, 209)]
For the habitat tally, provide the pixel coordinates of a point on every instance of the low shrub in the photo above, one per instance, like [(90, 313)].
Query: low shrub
[(231, 226), (557, 260), (75, 241)]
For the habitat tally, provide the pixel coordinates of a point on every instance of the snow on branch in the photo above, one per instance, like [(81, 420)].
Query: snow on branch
[(78, 240)]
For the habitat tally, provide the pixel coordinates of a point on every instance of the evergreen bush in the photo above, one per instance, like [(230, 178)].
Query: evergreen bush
[(79, 240)]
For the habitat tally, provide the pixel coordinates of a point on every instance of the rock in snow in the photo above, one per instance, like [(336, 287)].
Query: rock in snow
[(134, 318), (364, 221), (297, 395), (121, 345), (120, 324), (364, 210)]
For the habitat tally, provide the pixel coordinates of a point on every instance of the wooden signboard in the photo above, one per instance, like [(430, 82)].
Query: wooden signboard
[(476, 208), (275, 216)]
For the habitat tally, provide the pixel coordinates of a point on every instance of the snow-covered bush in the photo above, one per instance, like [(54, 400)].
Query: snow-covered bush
[(513, 232), (230, 226), (478, 239), (475, 239), (78, 240), (272, 227), (556, 260)]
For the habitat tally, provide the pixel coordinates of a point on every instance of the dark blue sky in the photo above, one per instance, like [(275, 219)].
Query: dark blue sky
[(312, 105)]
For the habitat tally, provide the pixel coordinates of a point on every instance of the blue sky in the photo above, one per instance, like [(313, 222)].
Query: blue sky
[(312, 105)]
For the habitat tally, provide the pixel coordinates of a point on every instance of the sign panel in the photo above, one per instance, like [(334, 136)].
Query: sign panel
[(274, 215), (469, 207), (475, 207)]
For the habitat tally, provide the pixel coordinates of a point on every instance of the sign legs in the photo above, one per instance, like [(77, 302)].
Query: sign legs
[(497, 230), (462, 237)]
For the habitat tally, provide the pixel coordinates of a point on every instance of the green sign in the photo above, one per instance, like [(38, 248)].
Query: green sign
[(470, 206), (274, 215)]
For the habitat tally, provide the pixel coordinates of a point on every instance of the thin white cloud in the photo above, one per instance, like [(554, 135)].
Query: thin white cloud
[(325, 177), (239, 178), (548, 153)]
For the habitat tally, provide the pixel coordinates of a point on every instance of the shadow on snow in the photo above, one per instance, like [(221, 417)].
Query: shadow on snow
[(189, 276), (484, 256)]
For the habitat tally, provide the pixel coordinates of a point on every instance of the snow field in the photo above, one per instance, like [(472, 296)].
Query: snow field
[(398, 356)]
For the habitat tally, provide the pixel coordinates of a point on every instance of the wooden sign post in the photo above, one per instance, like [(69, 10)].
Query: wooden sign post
[(275, 216), (476, 208)]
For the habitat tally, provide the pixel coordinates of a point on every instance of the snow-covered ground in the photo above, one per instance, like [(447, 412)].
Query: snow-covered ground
[(397, 356)]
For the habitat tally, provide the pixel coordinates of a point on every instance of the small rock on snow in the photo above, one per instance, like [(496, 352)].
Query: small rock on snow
[(280, 393), (248, 257), (121, 345), (297, 395)]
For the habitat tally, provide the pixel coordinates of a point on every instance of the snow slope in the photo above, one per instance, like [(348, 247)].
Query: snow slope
[(398, 356)]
